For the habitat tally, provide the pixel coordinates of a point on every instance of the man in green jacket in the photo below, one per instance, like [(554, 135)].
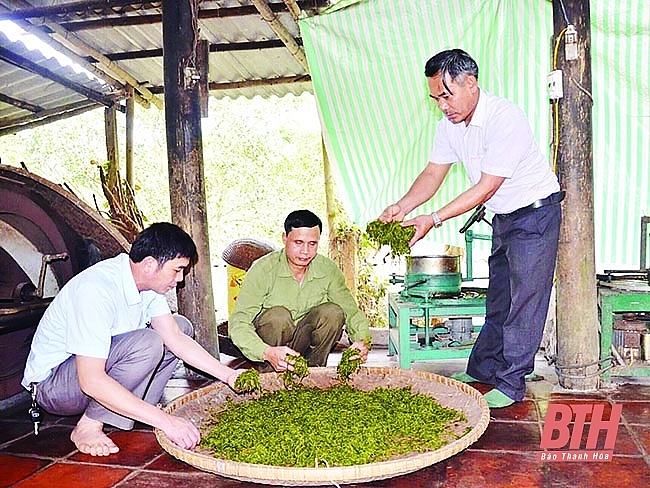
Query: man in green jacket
[(295, 302)]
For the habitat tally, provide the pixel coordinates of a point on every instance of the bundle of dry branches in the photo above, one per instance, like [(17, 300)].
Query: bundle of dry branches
[(124, 213)]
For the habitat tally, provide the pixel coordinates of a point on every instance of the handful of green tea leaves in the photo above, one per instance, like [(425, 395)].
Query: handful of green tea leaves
[(248, 381), (350, 362), (391, 234), (292, 379)]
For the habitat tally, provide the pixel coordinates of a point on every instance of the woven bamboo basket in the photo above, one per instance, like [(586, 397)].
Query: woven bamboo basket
[(196, 407), (241, 253)]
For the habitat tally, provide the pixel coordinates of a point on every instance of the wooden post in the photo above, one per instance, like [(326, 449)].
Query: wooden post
[(110, 131), (342, 248), (130, 114), (577, 310), (185, 160), (203, 65)]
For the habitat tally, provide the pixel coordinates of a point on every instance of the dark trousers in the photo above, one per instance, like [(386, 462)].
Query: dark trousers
[(522, 267), (137, 360), (313, 336)]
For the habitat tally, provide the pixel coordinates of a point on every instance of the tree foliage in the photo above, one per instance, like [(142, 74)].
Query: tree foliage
[(262, 159)]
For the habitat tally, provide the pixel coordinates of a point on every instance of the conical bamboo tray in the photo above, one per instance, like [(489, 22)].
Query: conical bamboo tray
[(196, 407)]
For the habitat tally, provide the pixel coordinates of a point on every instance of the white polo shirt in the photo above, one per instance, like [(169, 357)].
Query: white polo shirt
[(498, 141), (100, 302)]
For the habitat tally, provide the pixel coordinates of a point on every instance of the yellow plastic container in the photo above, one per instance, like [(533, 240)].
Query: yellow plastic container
[(235, 279)]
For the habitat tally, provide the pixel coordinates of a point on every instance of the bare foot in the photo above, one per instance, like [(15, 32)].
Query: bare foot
[(89, 438)]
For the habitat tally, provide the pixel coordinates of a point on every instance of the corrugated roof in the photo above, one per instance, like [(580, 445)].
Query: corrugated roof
[(121, 42)]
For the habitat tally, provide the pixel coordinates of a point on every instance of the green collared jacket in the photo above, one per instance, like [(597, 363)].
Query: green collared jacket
[(269, 283)]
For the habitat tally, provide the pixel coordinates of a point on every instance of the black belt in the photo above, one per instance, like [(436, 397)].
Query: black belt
[(552, 199)]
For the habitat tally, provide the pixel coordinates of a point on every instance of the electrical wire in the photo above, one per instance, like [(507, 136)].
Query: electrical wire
[(582, 89), (556, 110), (566, 19)]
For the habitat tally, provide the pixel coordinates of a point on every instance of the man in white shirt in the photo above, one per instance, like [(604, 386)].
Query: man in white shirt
[(108, 343), (493, 139)]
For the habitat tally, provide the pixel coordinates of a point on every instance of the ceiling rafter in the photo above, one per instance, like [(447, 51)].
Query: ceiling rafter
[(47, 116), (35, 68), (72, 42), (103, 14), (20, 103), (79, 30), (220, 47), (282, 32)]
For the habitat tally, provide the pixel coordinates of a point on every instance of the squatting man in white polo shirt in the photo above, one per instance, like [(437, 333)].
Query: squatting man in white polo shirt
[(108, 343)]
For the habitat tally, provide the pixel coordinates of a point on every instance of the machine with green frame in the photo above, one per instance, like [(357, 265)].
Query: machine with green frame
[(429, 327)]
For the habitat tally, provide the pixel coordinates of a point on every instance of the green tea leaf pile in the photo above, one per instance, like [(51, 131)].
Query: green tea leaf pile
[(337, 426), (391, 234)]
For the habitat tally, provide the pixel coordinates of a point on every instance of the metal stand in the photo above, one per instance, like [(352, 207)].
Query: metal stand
[(616, 298), (413, 342)]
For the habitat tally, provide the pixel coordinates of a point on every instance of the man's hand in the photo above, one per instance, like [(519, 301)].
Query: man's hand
[(363, 350), (182, 432), (277, 356), (422, 224), (233, 377), (392, 213)]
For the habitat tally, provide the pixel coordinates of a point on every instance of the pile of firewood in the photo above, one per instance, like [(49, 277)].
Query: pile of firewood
[(124, 213)]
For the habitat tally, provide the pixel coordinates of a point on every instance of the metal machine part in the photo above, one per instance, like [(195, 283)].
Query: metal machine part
[(643, 273), (629, 336)]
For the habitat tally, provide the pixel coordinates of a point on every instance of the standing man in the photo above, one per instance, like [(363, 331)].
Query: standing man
[(108, 343), (493, 139), (295, 301)]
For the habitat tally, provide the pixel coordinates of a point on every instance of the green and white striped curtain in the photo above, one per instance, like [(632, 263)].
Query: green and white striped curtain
[(367, 64)]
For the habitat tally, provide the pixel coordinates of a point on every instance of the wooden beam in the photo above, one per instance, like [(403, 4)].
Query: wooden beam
[(20, 103), (72, 42), (262, 82), (88, 63), (217, 47), (215, 86), (46, 117), (103, 13), (282, 32), (28, 65), (70, 8), (294, 9)]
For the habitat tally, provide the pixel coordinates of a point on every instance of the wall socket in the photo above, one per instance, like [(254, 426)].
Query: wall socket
[(554, 81)]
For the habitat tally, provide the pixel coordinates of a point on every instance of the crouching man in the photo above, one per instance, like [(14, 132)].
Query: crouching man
[(108, 343)]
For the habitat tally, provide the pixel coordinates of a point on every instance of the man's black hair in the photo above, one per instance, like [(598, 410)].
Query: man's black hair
[(302, 218), (453, 62), (164, 242)]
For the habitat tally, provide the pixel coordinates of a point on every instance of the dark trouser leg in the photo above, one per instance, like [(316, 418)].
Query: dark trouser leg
[(486, 357), (522, 267), (317, 333), (313, 337), (134, 359), (275, 326)]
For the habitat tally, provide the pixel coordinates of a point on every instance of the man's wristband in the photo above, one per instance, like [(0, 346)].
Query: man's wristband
[(436, 220)]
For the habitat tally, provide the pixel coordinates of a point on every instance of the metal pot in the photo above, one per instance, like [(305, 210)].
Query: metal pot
[(433, 265), (433, 276)]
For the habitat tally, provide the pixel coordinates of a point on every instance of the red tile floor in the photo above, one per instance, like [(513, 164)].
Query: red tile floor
[(504, 456)]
